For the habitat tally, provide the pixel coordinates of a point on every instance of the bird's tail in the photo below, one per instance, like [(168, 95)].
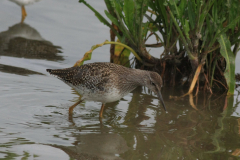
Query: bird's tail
[(64, 74)]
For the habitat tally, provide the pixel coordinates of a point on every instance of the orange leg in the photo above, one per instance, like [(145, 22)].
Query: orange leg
[(101, 111), (24, 14), (73, 106)]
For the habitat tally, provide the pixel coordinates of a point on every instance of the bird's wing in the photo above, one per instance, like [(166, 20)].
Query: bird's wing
[(92, 76)]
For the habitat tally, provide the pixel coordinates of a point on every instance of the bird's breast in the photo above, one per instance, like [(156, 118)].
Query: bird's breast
[(98, 94)]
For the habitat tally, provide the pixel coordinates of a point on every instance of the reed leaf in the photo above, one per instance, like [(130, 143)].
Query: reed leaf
[(225, 50), (128, 9)]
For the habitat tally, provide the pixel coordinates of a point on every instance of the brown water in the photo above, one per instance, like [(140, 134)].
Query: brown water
[(34, 121)]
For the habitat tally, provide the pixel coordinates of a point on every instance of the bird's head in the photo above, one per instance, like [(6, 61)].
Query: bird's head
[(153, 81)]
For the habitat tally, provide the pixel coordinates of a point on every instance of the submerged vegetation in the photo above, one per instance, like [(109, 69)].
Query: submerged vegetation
[(200, 38)]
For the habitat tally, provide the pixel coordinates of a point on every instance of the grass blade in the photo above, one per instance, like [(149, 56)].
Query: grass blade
[(225, 50), (128, 10)]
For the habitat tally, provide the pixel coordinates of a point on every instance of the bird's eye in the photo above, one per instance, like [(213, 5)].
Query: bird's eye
[(153, 83)]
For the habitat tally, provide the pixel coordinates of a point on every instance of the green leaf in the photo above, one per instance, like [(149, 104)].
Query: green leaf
[(186, 45), (163, 13), (225, 50), (146, 28), (100, 17), (128, 9), (209, 27), (141, 8), (182, 8), (117, 5), (186, 29), (178, 9), (204, 13), (232, 24), (113, 19), (205, 37), (109, 6), (233, 9), (175, 8), (191, 13), (97, 14)]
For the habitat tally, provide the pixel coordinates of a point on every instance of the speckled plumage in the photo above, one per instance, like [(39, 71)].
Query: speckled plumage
[(107, 82)]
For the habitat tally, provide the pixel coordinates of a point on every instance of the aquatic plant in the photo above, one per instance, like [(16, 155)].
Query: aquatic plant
[(200, 38)]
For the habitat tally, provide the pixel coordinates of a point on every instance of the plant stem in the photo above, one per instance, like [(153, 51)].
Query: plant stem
[(182, 37), (129, 48)]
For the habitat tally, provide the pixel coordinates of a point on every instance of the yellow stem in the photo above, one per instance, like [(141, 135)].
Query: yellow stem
[(110, 42), (195, 78), (129, 48)]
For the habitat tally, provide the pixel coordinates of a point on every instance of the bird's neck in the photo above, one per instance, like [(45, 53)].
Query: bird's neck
[(138, 76)]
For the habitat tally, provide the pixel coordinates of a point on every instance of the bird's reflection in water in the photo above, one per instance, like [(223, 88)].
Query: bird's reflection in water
[(17, 70), (97, 146), (108, 143), (22, 40), (146, 130)]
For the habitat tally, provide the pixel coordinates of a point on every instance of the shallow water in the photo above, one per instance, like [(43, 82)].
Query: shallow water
[(34, 120)]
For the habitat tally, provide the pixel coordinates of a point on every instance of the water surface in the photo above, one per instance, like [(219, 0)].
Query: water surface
[(34, 120)]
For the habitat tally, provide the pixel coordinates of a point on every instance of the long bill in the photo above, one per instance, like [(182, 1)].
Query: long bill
[(161, 99)]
